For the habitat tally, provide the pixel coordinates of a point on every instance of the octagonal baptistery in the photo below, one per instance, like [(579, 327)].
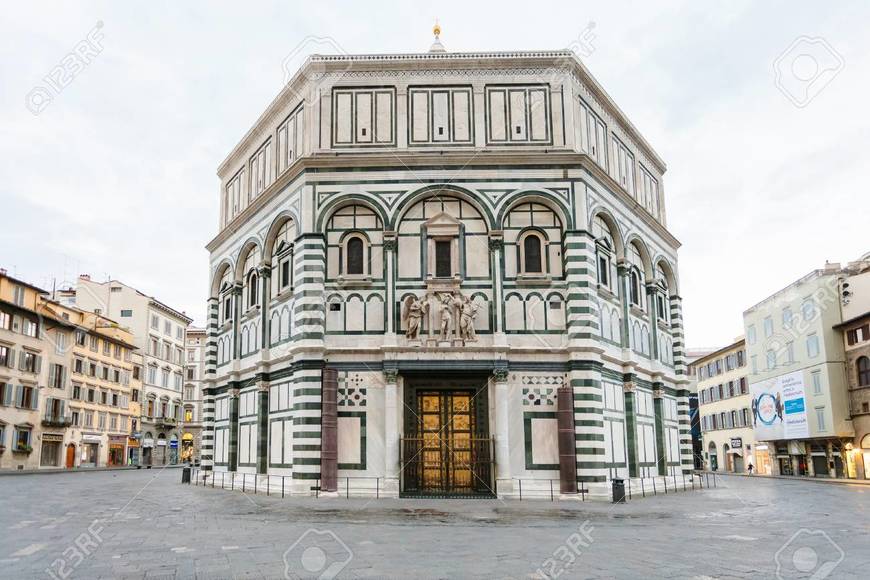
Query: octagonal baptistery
[(444, 274)]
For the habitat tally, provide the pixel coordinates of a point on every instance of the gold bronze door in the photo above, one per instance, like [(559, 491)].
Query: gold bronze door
[(447, 455)]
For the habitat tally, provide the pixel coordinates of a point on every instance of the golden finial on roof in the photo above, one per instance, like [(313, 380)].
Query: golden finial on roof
[(437, 46)]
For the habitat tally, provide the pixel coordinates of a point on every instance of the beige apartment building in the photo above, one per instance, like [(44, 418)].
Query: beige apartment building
[(800, 402), (725, 409), (23, 373), (158, 331)]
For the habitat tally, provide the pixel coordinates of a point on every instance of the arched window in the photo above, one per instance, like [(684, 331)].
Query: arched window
[(355, 249), (663, 296), (863, 365), (282, 256), (636, 277), (604, 249), (634, 289), (532, 262), (253, 284), (250, 277)]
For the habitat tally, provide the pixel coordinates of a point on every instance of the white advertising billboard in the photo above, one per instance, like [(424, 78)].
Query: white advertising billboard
[(779, 408)]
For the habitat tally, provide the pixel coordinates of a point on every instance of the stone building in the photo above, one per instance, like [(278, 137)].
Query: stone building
[(725, 409), (194, 371), (800, 402), (158, 332), (23, 374), (855, 300), (428, 267)]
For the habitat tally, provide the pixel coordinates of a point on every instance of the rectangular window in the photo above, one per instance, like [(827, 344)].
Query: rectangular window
[(5, 357), (808, 309), (786, 317), (18, 295), (623, 166), (155, 322), (816, 382), (813, 345), (820, 418), (768, 327), (126, 313), (443, 263), (750, 334)]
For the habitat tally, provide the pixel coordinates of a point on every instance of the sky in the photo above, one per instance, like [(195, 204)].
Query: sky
[(110, 167)]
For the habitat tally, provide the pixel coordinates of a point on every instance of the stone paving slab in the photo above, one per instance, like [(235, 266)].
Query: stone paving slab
[(145, 524)]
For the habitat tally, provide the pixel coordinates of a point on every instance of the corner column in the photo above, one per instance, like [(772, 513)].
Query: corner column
[(496, 247), (262, 426), (329, 432), (237, 313), (677, 331), (233, 451), (391, 428), (629, 390), (265, 274), (661, 451), (622, 274), (502, 443), (207, 442), (652, 308), (390, 286), (685, 419)]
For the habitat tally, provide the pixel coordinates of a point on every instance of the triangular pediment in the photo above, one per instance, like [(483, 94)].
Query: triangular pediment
[(442, 219)]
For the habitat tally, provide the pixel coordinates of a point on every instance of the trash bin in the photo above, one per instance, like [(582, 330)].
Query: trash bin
[(618, 486), (185, 475)]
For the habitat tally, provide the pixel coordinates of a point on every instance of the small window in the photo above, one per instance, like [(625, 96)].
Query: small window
[(285, 273), (253, 280), (355, 259), (443, 265), (532, 262), (863, 371)]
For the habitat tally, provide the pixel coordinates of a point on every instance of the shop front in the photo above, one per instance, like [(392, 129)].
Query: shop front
[(735, 455), (762, 459), (187, 451), (132, 451), (90, 450), (50, 455), (173, 449), (148, 450), (117, 450)]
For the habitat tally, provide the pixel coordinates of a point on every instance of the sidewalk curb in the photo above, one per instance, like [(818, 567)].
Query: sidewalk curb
[(827, 480), (9, 472)]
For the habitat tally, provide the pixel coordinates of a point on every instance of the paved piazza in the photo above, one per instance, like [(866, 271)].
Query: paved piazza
[(122, 525)]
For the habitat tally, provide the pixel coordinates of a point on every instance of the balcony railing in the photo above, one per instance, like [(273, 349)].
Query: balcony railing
[(56, 421), (166, 421)]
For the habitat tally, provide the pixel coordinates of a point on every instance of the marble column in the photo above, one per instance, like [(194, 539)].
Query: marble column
[(391, 427), (233, 451), (661, 450), (496, 247), (390, 287), (502, 429), (262, 426), (629, 390)]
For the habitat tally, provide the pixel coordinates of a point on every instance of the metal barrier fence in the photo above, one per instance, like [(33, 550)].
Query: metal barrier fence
[(668, 484), (280, 484), (362, 487)]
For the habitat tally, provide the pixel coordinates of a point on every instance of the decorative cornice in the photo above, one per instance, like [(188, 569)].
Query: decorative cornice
[(465, 160)]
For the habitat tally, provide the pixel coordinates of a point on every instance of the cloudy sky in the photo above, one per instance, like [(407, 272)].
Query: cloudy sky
[(115, 175)]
